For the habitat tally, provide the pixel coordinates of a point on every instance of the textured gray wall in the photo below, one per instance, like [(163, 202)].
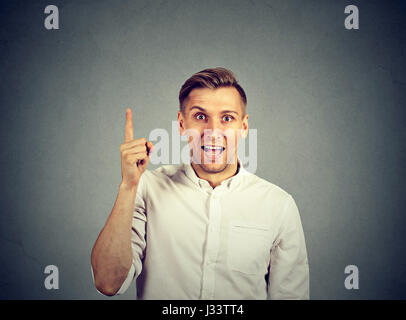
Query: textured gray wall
[(327, 103)]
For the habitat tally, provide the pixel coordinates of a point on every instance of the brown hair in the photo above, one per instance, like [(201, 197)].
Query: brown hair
[(212, 78)]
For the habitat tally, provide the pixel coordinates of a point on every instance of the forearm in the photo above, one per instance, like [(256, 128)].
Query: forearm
[(112, 256)]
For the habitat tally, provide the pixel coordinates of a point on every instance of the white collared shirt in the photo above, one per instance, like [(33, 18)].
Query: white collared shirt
[(241, 240)]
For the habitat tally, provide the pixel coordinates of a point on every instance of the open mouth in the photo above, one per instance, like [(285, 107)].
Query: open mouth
[(213, 151)]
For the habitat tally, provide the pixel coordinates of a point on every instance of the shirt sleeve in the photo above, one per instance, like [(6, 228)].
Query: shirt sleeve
[(289, 267), (138, 237), (138, 234)]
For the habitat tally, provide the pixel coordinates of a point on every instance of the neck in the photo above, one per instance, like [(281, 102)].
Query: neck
[(215, 179)]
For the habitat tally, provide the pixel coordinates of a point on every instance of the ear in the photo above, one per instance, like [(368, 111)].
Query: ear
[(244, 132), (181, 126)]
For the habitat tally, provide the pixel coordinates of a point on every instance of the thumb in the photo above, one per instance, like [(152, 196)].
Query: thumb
[(143, 164), (150, 147)]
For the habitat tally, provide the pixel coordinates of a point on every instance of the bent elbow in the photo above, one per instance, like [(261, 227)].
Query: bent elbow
[(106, 289)]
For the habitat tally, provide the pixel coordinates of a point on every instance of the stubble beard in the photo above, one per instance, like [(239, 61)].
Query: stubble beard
[(211, 167), (208, 169)]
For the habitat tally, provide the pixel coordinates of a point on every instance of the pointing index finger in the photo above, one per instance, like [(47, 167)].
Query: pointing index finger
[(128, 134)]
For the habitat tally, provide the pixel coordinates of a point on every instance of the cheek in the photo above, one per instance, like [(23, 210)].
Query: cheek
[(192, 131), (194, 137), (231, 135)]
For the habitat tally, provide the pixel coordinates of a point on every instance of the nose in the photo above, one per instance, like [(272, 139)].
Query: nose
[(213, 123), (213, 133)]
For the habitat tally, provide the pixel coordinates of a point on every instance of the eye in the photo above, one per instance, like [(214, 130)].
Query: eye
[(200, 116), (228, 118)]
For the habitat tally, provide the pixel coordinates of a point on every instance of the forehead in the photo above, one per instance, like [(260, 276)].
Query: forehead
[(215, 99)]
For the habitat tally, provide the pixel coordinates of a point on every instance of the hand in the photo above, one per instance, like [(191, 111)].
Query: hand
[(134, 155)]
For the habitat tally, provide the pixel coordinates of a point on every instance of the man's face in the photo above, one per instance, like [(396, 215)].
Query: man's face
[(213, 120)]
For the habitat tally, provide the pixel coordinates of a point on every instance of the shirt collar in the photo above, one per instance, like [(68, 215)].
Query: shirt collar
[(228, 183)]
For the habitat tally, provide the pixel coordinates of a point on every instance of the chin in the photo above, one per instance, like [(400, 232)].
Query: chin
[(213, 167)]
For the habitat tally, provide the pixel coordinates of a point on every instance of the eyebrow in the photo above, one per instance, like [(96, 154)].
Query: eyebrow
[(202, 109)]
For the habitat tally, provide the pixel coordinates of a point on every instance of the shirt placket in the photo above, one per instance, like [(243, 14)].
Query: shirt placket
[(213, 244)]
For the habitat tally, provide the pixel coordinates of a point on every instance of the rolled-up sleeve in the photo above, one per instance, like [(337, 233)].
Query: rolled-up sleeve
[(289, 267), (138, 236)]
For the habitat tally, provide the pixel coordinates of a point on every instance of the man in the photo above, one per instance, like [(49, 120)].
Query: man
[(207, 229)]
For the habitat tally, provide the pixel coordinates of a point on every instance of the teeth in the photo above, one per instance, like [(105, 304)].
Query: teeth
[(207, 148)]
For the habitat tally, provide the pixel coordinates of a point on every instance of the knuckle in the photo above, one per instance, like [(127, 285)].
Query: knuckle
[(125, 146)]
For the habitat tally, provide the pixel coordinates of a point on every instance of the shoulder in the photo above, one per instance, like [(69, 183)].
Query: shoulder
[(161, 173), (274, 199), (265, 187), (166, 171)]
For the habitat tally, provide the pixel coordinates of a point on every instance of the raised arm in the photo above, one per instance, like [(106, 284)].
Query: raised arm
[(112, 254)]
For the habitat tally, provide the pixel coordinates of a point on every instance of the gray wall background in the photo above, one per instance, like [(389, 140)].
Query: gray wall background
[(327, 103)]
